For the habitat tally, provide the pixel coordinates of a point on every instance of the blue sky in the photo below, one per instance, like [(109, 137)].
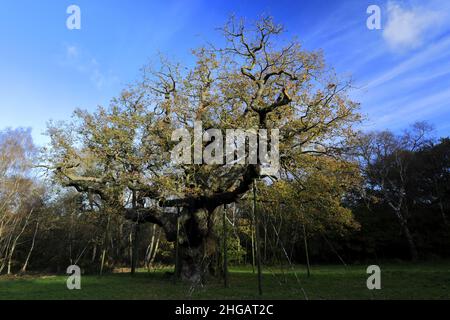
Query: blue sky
[(401, 72)]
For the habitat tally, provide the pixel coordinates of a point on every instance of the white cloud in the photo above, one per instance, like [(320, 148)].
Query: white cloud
[(409, 28), (84, 63)]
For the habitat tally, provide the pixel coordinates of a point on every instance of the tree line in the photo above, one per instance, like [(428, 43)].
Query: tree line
[(391, 204)]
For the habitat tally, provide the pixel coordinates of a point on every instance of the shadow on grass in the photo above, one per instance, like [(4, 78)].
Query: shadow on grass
[(399, 281)]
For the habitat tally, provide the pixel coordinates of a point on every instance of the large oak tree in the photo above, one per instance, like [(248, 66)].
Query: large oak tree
[(120, 155)]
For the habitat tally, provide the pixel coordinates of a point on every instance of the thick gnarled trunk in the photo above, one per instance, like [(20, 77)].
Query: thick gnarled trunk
[(197, 245), (193, 233), (195, 262)]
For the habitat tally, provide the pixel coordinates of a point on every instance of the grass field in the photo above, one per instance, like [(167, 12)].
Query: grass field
[(399, 281)]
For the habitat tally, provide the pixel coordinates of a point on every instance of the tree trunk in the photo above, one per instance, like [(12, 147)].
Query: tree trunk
[(252, 232), (25, 265), (135, 248), (305, 240), (105, 245), (404, 224), (258, 247), (177, 249), (225, 253), (148, 251), (6, 249), (197, 246), (135, 232), (444, 216), (441, 205), (411, 243), (130, 245), (152, 248), (94, 253), (155, 250), (14, 244)]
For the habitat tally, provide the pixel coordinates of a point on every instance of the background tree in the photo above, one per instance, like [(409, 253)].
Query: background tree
[(21, 197), (309, 205), (386, 161)]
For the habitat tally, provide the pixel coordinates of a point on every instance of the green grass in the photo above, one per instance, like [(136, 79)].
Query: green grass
[(399, 281)]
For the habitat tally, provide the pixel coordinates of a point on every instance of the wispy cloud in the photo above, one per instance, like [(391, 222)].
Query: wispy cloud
[(409, 28), (74, 57), (419, 109), (409, 82), (431, 54)]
